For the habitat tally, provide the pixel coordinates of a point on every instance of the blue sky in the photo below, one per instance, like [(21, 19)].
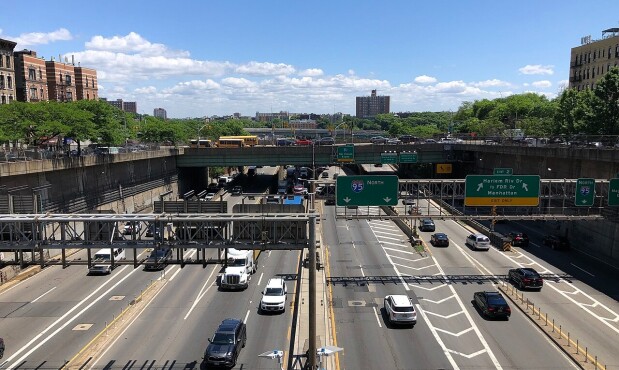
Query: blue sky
[(203, 58)]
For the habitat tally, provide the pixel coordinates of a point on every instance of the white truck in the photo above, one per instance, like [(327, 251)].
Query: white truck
[(241, 264)]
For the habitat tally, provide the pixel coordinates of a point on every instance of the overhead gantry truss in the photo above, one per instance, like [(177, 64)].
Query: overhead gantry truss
[(241, 231)]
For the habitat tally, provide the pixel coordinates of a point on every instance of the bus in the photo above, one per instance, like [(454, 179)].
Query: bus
[(224, 142), (200, 143), (249, 140)]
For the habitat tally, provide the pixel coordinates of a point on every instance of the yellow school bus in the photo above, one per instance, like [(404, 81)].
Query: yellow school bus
[(249, 140), (225, 142)]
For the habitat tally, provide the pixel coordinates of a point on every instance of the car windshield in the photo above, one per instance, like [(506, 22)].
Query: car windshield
[(428, 222), (531, 273), (223, 338), (274, 291), (482, 239), (441, 236)]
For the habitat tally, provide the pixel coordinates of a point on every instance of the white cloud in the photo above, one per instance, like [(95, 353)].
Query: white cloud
[(265, 69), (537, 69), (146, 90), (490, 83), (238, 82), (38, 38), (542, 84), (423, 79), (311, 72), (132, 43)]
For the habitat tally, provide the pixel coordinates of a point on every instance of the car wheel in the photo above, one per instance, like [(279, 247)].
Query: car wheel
[(521, 285)]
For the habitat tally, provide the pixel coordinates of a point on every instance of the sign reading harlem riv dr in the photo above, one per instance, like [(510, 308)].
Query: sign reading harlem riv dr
[(366, 190), (501, 190)]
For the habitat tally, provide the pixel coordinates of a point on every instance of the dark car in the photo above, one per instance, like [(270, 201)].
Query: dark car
[(225, 346), (237, 190), (518, 239), (526, 277), (492, 304), (427, 225), (405, 139), (158, 259), (154, 231), (556, 242), (439, 240), (330, 201)]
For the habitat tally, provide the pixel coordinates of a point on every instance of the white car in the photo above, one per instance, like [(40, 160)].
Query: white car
[(209, 196), (478, 242), (400, 310), (274, 296)]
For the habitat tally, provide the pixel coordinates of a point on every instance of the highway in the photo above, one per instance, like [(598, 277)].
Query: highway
[(49, 318)]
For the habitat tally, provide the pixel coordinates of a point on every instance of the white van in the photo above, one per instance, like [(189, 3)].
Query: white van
[(102, 261)]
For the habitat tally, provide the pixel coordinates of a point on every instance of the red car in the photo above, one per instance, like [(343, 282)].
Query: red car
[(303, 142)]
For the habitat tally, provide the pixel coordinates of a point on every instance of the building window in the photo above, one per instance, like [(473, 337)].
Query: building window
[(3, 99), (69, 96), (68, 79), (60, 74), (33, 93), (1, 62), (9, 82), (32, 74), (42, 94), (1, 81), (8, 61), (40, 74), (594, 53), (86, 81)]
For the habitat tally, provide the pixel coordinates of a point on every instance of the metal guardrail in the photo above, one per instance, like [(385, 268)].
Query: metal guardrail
[(430, 279)]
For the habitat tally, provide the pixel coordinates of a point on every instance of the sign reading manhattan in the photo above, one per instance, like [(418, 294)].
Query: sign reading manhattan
[(366, 190), (501, 190)]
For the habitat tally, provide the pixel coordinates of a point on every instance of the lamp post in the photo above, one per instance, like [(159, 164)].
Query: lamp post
[(335, 132)]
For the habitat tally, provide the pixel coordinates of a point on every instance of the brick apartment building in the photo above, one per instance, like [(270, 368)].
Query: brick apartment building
[(30, 77), (86, 85), (7, 72)]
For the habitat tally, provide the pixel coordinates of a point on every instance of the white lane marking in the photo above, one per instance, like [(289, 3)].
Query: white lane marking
[(406, 259), (125, 329), (41, 342), (201, 294), (411, 267), (246, 316), (469, 355), (398, 250), (400, 244), (377, 317), (447, 316), (454, 334), (260, 278), (583, 270), (438, 338), (178, 270), (439, 301), (41, 296), (353, 245), (379, 237)]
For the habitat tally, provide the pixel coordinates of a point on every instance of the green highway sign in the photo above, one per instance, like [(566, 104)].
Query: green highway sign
[(585, 192), (346, 153), (501, 190), (613, 192), (408, 157), (388, 158), (503, 171), (366, 190)]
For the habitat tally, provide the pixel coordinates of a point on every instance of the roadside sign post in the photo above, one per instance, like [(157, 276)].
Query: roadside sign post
[(367, 190), (613, 192), (346, 153), (585, 192), (501, 190)]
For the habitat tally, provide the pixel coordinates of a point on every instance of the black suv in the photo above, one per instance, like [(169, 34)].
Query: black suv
[(225, 346), (518, 239), (526, 277), (158, 258), (492, 304), (427, 225)]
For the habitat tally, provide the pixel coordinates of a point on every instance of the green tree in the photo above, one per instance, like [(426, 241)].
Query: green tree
[(606, 105)]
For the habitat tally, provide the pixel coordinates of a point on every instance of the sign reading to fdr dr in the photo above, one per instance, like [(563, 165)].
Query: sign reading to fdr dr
[(501, 190)]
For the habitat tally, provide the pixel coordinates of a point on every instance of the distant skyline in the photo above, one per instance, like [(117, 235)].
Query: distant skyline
[(207, 58)]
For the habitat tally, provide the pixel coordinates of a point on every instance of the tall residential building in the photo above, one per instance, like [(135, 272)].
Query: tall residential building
[(7, 72), (370, 106), (267, 117), (127, 106), (60, 81), (593, 59), (86, 83), (160, 113), (30, 77)]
